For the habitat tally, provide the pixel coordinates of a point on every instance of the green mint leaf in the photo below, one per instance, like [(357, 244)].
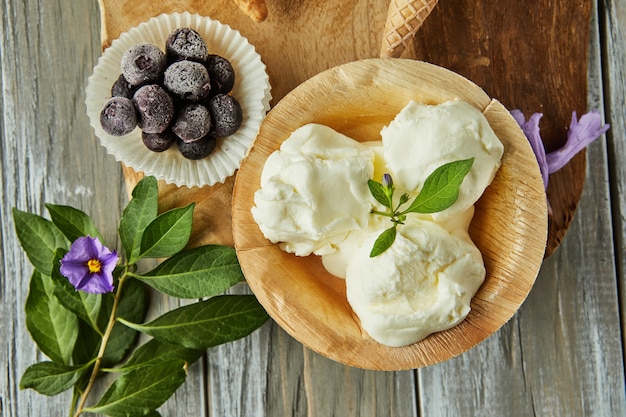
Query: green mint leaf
[(383, 242), (207, 323), (39, 238), (133, 306), (142, 391), (84, 305), (441, 188), (155, 351), (378, 192), (201, 272), (51, 378), (140, 211), (168, 233), (72, 222), (54, 329)]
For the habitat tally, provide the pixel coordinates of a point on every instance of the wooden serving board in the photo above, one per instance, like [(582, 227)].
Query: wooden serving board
[(529, 55)]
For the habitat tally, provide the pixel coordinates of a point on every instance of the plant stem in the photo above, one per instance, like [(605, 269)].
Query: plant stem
[(103, 344), (382, 213)]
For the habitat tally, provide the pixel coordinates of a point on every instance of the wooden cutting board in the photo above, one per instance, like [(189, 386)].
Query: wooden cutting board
[(529, 55)]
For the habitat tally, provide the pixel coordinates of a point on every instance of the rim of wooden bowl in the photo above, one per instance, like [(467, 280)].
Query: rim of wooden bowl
[(509, 227)]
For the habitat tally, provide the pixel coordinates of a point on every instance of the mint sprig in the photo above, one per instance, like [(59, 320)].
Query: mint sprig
[(440, 191), (86, 335)]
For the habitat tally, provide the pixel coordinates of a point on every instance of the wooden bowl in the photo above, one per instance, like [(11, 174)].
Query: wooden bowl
[(509, 227)]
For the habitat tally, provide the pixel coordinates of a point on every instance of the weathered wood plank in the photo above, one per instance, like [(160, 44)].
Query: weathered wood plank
[(561, 355), (49, 154), (613, 17)]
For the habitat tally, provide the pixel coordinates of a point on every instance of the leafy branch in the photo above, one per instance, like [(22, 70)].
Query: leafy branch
[(84, 313), (440, 191)]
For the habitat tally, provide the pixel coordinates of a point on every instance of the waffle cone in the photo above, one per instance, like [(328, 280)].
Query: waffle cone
[(404, 18), (254, 9)]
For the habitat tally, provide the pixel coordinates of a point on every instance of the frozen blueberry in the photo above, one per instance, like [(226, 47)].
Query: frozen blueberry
[(221, 73), (143, 63), (118, 117), (226, 115), (188, 80), (159, 142), (122, 88), (192, 122), (197, 149), (155, 108), (185, 43)]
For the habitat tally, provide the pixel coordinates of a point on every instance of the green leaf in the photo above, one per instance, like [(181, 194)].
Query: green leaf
[(207, 323), (133, 306), (201, 272), (384, 241), (51, 378), (72, 222), (85, 305), (378, 192), (168, 233), (140, 211), (441, 188), (87, 344), (39, 238), (53, 328), (142, 391), (156, 351)]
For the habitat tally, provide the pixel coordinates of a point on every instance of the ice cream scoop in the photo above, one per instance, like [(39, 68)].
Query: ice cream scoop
[(314, 190), (423, 137), (422, 284)]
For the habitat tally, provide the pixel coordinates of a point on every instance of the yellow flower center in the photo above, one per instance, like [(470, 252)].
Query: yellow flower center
[(94, 266)]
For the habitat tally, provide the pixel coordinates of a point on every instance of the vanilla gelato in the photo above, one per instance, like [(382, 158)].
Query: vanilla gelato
[(314, 198), (314, 191), (422, 137), (422, 284)]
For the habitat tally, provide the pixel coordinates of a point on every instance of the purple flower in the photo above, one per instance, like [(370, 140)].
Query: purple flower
[(579, 136), (89, 265), (581, 133), (531, 130), (387, 181)]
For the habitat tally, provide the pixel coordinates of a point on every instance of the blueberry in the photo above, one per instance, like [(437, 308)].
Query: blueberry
[(159, 142), (185, 43), (187, 80), (155, 108), (198, 149), (118, 117), (122, 88), (226, 115), (192, 122), (221, 73), (143, 63)]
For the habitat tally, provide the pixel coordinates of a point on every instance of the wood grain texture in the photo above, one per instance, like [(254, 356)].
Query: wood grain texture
[(531, 56), (550, 358), (613, 33)]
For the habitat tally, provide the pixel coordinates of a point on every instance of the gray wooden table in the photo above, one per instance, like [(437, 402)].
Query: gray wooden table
[(560, 355)]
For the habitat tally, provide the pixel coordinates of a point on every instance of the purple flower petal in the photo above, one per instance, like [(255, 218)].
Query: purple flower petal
[(580, 135), (75, 265), (531, 130), (98, 283)]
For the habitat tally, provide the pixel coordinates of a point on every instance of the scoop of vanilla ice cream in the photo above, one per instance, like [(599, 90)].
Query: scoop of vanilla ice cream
[(422, 284), (314, 190), (423, 137)]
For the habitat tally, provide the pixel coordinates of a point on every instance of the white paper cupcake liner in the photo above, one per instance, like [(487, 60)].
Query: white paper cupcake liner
[(251, 89)]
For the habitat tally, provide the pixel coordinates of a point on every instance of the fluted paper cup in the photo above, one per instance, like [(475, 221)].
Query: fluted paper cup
[(251, 89)]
